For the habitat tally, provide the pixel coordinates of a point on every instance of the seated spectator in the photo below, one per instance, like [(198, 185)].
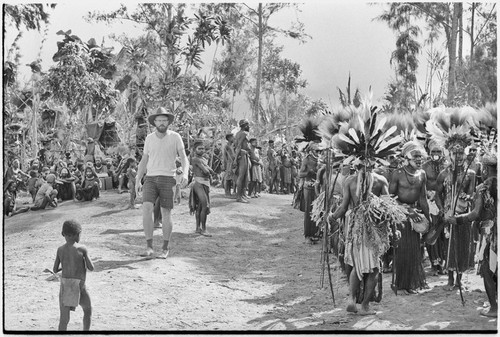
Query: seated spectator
[(60, 165), (78, 177), (35, 165), (9, 200), (32, 183), (15, 173), (71, 167), (80, 166), (89, 189), (99, 167), (42, 178), (111, 167), (66, 185), (46, 195)]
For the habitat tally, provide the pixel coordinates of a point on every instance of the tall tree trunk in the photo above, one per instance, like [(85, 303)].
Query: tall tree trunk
[(453, 55), (259, 68), (460, 34), (472, 35)]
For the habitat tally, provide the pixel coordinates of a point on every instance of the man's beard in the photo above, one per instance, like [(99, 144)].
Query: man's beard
[(161, 129)]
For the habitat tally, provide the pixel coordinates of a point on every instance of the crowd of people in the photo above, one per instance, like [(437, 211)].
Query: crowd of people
[(443, 199), (51, 181), (390, 198)]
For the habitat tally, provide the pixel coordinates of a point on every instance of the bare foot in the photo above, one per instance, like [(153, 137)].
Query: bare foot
[(366, 312), (352, 308), (488, 313)]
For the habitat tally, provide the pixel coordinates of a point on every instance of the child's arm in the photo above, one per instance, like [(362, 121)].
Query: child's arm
[(88, 261), (57, 262), (203, 166)]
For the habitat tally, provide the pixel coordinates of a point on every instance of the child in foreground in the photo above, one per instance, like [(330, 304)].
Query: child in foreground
[(75, 261)]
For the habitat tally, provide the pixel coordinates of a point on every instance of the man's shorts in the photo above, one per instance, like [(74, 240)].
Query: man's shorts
[(162, 186)]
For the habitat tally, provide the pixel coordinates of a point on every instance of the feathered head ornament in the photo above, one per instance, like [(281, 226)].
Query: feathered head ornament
[(309, 128), (363, 140), (451, 127)]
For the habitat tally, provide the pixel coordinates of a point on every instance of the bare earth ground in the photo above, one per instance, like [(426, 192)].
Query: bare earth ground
[(255, 273)]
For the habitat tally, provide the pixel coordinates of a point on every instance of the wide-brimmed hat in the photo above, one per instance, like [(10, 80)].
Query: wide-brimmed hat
[(161, 112)]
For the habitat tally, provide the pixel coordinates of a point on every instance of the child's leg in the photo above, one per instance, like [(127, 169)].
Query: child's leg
[(177, 195), (202, 206), (87, 308), (197, 216), (64, 315)]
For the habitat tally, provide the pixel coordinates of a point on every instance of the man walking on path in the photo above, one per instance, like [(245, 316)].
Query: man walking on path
[(158, 165)]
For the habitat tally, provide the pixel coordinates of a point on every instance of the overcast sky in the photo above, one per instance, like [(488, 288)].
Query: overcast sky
[(345, 38)]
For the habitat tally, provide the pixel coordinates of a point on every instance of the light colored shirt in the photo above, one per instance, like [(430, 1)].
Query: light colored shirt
[(45, 190), (162, 153)]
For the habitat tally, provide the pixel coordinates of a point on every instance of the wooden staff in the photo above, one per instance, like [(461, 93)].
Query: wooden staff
[(325, 246)]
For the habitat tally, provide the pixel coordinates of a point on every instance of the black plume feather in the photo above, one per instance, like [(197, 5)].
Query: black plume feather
[(309, 129)]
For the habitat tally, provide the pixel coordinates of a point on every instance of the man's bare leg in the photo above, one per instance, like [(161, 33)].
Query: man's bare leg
[(371, 282), (450, 285), (167, 227), (147, 223), (353, 286), (491, 290)]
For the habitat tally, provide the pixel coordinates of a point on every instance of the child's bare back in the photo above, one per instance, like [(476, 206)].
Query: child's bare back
[(72, 260)]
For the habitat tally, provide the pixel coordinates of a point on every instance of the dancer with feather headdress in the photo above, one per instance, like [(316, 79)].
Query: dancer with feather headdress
[(451, 128), (307, 172), (485, 213), (409, 185), (362, 142), (432, 168)]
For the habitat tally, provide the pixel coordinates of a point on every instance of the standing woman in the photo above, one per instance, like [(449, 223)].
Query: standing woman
[(308, 172)]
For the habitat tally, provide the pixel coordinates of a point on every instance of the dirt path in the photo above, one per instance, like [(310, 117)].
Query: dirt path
[(255, 273)]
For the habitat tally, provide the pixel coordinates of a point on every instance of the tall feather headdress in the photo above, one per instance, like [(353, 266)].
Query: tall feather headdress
[(363, 140), (488, 133), (451, 127), (309, 129)]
